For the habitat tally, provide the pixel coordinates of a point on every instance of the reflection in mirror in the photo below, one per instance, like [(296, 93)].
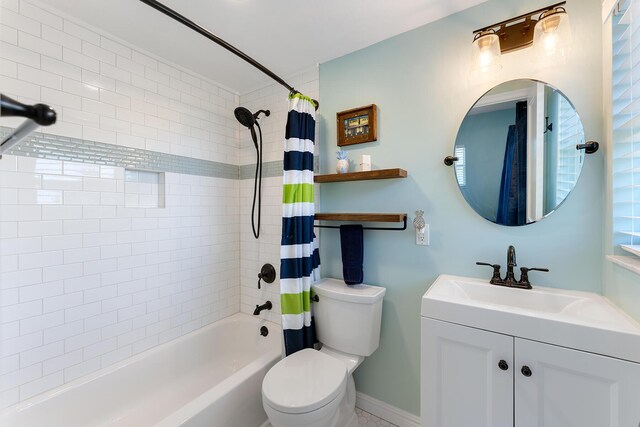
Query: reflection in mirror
[(516, 149)]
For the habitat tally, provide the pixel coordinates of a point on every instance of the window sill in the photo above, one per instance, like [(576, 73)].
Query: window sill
[(631, 263), (633, 249)]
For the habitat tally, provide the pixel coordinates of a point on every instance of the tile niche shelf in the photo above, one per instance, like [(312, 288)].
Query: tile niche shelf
[(361, 176)]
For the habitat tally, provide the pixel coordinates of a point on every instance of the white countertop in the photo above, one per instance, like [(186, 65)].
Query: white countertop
[(579, 320)]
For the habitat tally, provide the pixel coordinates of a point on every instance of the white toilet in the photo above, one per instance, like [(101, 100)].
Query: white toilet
[(315, 388)]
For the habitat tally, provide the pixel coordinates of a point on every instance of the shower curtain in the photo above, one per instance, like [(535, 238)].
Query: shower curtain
[(512, 202), (299, 258)]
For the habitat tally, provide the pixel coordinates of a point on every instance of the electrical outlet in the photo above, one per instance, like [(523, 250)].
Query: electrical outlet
[(422, 236)]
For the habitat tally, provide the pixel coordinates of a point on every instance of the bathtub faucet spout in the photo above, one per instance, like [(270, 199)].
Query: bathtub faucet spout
[(266, 306)]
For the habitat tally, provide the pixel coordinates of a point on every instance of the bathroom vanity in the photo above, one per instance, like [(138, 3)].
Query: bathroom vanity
[(495, 356)]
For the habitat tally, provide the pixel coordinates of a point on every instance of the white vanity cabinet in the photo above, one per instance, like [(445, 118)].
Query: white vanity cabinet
[(574, 388), (462, 385), (472, 377), (493, 356)]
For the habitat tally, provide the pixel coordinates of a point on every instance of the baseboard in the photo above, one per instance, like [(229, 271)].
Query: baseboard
[(385, 411)]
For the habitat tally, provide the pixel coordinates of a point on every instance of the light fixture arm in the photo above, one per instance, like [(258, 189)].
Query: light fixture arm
[(518, 18)]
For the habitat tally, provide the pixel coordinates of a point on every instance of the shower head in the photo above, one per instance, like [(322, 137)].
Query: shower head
[(245, 117)]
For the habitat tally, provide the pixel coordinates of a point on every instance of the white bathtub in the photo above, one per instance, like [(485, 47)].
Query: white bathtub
[(211, 377)]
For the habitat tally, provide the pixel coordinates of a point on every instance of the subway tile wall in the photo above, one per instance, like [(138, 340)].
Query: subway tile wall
[(267, 249), (107, 91), (85, 280)]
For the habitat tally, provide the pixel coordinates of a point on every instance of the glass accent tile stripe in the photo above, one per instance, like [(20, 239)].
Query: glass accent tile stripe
[(54, 147)]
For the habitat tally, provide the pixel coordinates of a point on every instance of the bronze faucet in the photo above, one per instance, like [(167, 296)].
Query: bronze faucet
[(266, 306), (510, 279)]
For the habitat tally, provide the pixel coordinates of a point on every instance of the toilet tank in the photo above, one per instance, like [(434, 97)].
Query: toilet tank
[(347, 318)]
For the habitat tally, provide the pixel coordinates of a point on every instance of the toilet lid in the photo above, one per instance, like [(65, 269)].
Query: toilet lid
[(303, 382)]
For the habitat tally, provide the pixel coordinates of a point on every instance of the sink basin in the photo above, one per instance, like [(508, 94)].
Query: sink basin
[(477, 291), (581, 320)]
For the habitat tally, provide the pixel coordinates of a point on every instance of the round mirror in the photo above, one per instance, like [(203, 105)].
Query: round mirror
[(516, 152)]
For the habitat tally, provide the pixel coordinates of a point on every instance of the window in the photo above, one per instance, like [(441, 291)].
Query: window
[(460, 166), (625, 109), (570, 134), (626, 125)]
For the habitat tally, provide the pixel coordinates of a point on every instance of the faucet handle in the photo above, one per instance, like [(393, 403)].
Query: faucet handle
[(524, 276), (496, 272), (525, 269)]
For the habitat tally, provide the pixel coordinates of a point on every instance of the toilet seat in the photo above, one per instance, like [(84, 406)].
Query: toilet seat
[(303, 382)]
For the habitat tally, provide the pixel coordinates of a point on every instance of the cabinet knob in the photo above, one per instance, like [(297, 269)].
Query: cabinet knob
[(503, 365), (526, 371)]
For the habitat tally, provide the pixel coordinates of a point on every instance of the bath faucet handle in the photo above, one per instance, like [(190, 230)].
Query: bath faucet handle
[(267, 273), (495, 278), (524, 277)]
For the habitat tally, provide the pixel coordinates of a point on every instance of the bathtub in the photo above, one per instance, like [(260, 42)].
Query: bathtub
[(210, 377)]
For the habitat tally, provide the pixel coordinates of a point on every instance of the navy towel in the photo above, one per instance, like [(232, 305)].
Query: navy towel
[(352, 247)]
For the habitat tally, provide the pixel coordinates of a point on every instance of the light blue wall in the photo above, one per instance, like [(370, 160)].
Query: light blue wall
[(421, 83), (623, 288), (484, 137)]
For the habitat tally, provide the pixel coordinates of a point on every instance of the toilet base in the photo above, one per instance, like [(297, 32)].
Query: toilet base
[(347, 412)]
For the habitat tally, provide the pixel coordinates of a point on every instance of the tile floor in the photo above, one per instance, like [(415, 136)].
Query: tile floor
[(365, 419)]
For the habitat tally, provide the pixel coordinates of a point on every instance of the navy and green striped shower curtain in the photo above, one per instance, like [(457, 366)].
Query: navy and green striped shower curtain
[(299, 258)]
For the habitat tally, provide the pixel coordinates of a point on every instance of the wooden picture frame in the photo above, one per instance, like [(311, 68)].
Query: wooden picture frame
[(357, 126)]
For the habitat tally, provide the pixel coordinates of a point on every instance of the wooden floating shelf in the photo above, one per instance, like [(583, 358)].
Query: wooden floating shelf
[(362, 217), (362, 176)]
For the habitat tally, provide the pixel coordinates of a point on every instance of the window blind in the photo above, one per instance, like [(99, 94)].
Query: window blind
[(626, 125), (461, 165), (570, 134)]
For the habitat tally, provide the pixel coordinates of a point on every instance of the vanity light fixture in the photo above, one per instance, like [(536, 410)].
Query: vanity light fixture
[(547, 29)]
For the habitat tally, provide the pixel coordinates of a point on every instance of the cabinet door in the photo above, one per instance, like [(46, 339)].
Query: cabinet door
[(461, 382), (571, 388)]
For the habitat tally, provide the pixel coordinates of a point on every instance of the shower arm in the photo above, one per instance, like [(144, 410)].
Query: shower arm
[(201, 30)]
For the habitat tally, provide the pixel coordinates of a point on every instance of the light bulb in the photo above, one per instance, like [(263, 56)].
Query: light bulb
[(485, 53), (550, 44), (552, 35)]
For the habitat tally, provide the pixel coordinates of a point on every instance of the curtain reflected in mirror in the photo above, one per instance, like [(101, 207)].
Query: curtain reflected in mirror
[(516, 149)]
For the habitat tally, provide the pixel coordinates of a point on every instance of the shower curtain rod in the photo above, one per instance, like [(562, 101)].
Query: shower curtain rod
[(37, 115), (197, 28)]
